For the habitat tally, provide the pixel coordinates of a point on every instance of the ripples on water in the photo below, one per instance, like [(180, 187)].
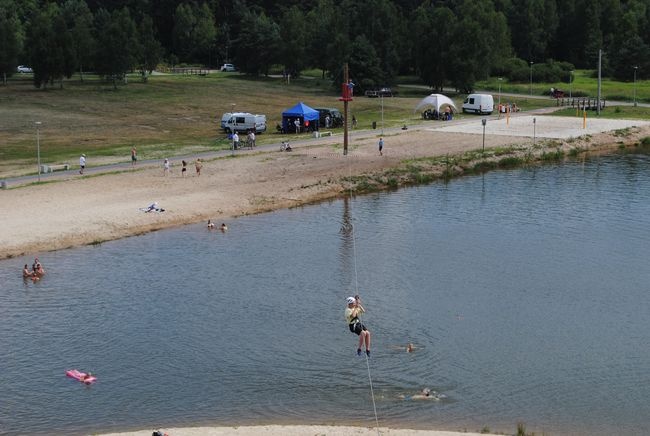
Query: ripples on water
[(525, 291)]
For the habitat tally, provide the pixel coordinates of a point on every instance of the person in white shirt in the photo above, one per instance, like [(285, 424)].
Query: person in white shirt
[(82, 163)]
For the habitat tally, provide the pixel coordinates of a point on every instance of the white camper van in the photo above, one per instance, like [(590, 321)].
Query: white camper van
[(479, 104), (224, 119), (243, 122)]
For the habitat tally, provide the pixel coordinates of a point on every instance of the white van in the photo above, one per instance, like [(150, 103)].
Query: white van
[(479, 104), (224, 119), (243, 122)]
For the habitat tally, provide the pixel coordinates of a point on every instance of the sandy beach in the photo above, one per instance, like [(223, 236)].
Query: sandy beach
[(292, 430), (77, 211)]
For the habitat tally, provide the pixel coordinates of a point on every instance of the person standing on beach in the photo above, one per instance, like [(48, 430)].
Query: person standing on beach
[(235, 141), (166, 166), (352, 313), (381, 146), (198, 165), (82, 163), (184, 168), (134, 156)]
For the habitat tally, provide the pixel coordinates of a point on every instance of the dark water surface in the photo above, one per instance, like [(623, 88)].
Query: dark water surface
[(526, 292)]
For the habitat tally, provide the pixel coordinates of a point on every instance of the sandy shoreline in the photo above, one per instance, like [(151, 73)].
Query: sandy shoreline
[(291, 430), (80, 211)]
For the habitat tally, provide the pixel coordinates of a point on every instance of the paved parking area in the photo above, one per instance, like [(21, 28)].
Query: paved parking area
[(543, 126)]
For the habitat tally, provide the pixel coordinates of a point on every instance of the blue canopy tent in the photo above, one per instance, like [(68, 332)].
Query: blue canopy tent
[(307, 116)]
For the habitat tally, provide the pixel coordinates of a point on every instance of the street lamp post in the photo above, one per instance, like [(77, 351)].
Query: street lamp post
[(38, 148), (635, 68), (500, 79), (484, 122), (570, 82), (531, 78), (382, 114)]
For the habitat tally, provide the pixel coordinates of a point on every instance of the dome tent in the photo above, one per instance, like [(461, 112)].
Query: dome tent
[(437, 101)]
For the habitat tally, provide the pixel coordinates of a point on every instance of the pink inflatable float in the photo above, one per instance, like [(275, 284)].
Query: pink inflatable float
[(81, 376)]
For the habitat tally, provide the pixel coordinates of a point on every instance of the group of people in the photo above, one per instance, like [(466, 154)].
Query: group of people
[(507, 107), (36, 272), (250, 140), (223, 227), (433, 114), (353, 312), (198, 165)]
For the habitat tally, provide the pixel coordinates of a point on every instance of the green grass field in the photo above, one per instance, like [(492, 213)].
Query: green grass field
[(180, 114), (582, 85)]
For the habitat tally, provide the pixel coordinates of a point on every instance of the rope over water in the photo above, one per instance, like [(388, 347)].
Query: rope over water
[(356, 291)]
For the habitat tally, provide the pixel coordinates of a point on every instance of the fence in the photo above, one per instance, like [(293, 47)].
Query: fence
[(581, 103)]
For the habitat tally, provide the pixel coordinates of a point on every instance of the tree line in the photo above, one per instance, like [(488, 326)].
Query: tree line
[(444, 42)]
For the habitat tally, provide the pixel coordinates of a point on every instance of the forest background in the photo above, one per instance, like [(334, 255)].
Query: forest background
[(452, 43)]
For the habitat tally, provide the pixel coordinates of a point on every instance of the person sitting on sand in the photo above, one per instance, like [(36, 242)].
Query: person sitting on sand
[(223, 227), (210, 225), (352, 313), (26, 272)]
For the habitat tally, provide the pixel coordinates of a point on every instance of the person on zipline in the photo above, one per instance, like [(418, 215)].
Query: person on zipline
[(352, 313)]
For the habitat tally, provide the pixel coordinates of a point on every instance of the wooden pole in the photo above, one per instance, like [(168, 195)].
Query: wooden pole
[(346, 80)]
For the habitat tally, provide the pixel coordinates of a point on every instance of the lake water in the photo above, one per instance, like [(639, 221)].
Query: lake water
[(525, 291)]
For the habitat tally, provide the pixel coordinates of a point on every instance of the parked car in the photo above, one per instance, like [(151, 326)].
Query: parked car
[(382, 92), (24, 69), (228, 67), (336, 118)]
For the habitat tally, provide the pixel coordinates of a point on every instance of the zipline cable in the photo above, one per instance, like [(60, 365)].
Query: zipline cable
[(356, 291)]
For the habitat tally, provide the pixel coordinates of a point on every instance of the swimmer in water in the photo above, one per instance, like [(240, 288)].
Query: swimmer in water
[(210, 225), (410, 348), (223, 227), (425, 394), (26, 272)]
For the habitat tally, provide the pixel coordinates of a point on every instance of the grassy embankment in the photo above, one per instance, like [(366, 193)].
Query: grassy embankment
[(170, 115), (582, 85), (178, 115)]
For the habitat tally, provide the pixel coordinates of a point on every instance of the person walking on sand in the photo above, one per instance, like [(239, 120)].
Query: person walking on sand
[(381, 146), (82, 163), (352, 313), (198, 165), (184, 168), (166, 166), (134, 156), (354, 122)]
